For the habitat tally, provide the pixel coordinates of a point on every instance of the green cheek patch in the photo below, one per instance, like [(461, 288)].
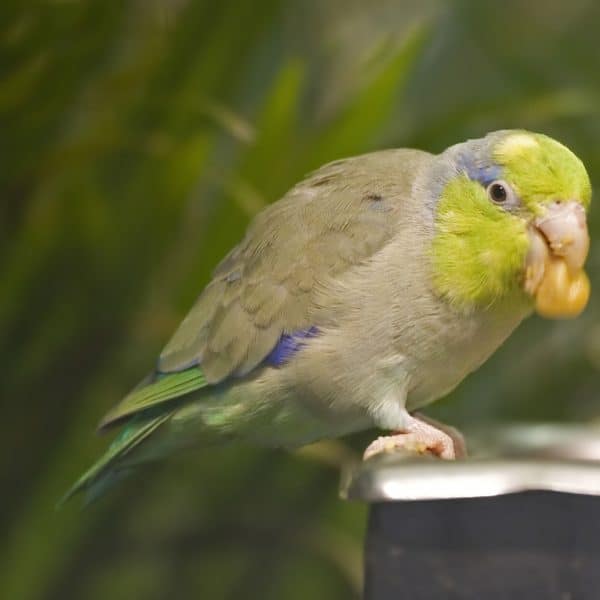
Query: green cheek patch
[(479, 249)]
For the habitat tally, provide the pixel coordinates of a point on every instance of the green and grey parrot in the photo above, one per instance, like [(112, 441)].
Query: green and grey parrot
[(371, 289)]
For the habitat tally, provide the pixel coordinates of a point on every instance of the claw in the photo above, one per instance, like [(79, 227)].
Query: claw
[(421, 437)]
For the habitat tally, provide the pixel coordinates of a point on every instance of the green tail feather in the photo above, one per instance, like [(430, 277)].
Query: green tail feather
[(144, 408), (109, 469), (166, 387)]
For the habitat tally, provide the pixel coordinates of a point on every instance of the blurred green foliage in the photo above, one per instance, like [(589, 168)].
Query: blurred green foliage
[(137, 138)]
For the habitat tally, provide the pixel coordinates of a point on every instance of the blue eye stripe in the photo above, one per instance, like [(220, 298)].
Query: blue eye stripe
[(484, 174)]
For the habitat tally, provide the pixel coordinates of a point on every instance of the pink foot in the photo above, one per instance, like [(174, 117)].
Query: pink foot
[(421, 437)]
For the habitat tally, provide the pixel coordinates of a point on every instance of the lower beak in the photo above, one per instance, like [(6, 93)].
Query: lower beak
[(559, 244)]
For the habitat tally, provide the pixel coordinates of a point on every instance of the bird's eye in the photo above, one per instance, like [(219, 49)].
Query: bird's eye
[(498, 192)]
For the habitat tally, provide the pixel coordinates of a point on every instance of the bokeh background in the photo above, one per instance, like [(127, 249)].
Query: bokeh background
[(137, 138)]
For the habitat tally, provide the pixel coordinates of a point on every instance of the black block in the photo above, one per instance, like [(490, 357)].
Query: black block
[(525, 546)]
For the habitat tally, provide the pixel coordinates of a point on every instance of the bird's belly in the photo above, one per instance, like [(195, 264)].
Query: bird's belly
[(455, 354), (432, 382)]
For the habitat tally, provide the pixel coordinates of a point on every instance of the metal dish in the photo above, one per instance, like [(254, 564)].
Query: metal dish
[(502, 460)]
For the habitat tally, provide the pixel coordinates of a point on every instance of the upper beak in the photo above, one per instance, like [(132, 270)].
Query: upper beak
[(559, 245), (565, 229)]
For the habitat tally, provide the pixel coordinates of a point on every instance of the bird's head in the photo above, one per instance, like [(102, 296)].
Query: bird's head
[(510, 222)]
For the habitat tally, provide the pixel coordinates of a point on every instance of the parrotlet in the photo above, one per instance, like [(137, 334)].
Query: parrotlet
[(371, 289)]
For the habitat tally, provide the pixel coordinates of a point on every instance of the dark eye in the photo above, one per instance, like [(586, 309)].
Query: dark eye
[(497, 192)]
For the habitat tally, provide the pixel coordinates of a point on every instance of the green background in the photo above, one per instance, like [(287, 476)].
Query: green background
[(137, 138)]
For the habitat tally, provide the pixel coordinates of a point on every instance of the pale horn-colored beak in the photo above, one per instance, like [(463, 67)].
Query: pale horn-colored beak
[(559, 245), (565, 229)]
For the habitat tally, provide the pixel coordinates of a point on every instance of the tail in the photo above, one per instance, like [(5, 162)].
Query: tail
[(114, 466), (149, 406)]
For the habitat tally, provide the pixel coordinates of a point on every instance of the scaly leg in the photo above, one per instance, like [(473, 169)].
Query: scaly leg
[(421, 435)]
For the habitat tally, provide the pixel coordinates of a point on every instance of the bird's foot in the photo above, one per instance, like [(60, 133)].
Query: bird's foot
[(422, 435)]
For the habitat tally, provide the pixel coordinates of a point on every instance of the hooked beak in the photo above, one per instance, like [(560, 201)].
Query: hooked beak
[(565, 229), (559, 245)]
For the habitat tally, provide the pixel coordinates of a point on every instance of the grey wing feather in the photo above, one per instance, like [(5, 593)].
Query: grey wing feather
[(339, 216)]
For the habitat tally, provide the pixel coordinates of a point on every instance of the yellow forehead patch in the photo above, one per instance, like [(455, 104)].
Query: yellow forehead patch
[(517, 143), (542, 169)]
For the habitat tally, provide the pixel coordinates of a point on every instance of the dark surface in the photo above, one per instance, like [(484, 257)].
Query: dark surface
[(530, 545)]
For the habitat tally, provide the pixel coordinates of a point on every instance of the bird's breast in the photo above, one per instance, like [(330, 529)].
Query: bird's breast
[(449, 346)]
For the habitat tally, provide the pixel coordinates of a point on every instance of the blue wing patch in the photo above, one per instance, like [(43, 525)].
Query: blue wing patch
[(288, 345)]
